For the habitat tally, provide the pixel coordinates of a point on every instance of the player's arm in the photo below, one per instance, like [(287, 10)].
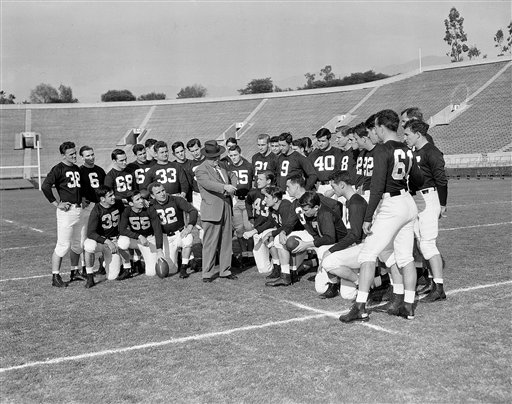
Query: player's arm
[(184, 185), (309, 170), (439, 172), (378, 183), (124, 225), (326, 223), (157, 227), (189, 208), (356, 215), (92, 228)]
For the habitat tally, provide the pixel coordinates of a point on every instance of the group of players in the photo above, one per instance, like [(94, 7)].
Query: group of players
[(354, 211)]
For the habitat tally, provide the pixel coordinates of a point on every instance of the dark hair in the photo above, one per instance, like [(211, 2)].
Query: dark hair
[(160, 145), (370, 122), (343, 130), (339, 176), (307, 142), (235, 148), (231, 140), (274, 192), (115, 153), (417, 126), (360, 130), (274, 139), (132, 195), (299, 143), (149, 143), (177, 144), (269, 175), (154, 185), (192, 142), (66, 146), (323, 132), (413, 113), (297, 179), (286, 137), (137, 148), (309, 198), (264, 136), (84, 149), (103, 190), (387, 118)]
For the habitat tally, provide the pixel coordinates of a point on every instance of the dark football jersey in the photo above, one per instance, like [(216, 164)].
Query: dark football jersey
[(295, 163), (326, 162), (356, 208), (281, 216), (92, 178), (66, 180), (144, 223), (326, 228), (367, 168), (244, 173), (187, 168), (171, 175), (139, 171), (104, 222), (431, 162), (257, 210), (348, 163), (171, 214), (358, 177), (394, 163), (261, 162), (121, 182)]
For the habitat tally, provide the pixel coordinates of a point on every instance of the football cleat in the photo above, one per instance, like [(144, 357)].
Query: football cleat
[(332, 291), (183, 271), (406, 311), (101, 271), (75, 276), (276, 272), (283, 280), (125, 274), (426, 288), (357, 313), (392, 306), (437, 293), (58, 282), (90, 281)]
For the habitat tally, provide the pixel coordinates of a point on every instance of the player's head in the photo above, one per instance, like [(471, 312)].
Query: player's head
[(414, 132), (274, 145), (161, 151), (323, 138), (68, 151), (308, 144), (194, 148), (295, 185), (106, 195), (87, 154), (140, 152), (118, 159), (341, 183), (386, 120), (285, 142), (263, 141), (157, 192), (372, 132), (409, 114), (135, 200), (310, 203), (298, 146), (264, 179), (235, 154), (230, 142), (148, 144), (342, 138), (273, 195), (178, 150), (361, 136)]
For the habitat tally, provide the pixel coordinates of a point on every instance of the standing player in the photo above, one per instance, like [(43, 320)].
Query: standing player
[(65, 176), (168, 173), (364, 166), (178, 151), (194, 148), (392, 229), (431, 201), (325, 158), (290, 163), (140, 166), (92, 177), (171, 211), (150, 151), (411, 114), (119, 178), (347, 161), (102, 235), (264, 160), (275, 147), (140, 228)]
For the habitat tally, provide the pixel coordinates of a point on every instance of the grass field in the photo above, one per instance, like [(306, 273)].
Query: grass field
[(173, 340)]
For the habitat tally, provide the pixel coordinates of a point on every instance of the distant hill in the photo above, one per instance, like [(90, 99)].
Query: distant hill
[(413, 65)]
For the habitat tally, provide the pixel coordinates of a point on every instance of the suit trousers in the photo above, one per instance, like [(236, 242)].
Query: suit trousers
[(218, 239)]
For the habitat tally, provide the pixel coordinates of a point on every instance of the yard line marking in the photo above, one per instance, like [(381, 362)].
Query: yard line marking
[(25, 246), (196, 337), (31, 277), (474, 226), (378, 328), (478, 204), (489, 285), (23, 226)]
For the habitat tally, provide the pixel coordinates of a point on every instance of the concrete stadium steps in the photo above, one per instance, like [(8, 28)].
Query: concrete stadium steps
[(431, 91), (485, 127), (301, 115), (203, 120)]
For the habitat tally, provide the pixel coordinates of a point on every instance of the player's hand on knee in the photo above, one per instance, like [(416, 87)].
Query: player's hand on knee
[(143, 240), (367, 228), (112, 246), (282, 238)]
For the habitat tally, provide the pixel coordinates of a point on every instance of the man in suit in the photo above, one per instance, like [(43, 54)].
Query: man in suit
[(216, 187)]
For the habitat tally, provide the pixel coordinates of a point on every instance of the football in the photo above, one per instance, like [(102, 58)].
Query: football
[(162, 268), (292, 242)]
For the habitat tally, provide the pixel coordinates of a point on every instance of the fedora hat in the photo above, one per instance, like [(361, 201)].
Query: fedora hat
[(212, 149)]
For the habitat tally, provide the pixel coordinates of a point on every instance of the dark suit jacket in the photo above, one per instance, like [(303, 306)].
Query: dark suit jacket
[(211, 187)]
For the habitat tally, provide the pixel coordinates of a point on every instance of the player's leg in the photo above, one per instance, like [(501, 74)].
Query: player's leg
[(63, 245), (124, 256), (173, 253), (249, 256), (238, 224), (186, 249), (76, 244), (285, 278), (148, 253), (261, 253)]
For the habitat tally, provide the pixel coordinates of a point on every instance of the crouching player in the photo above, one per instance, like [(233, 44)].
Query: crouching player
[(171, 210), (140, 229), (102, 235)]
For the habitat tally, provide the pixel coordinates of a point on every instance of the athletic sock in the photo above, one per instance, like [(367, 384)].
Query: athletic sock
[(89, 270), (438, 280), (409, 296), (398, 289), (285, 269), (362, 297)]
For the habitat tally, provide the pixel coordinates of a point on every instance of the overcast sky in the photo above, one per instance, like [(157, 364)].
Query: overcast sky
[(146, 46)]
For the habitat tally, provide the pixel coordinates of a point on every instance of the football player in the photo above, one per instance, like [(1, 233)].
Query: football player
[(364, 164), (150, 151), (348, 162), (392, 229), (194, 148), (171, 211), (178, 150), (430, 199), (140, 229), (140, 166), (119, 178), (275, 147), (325, 158), (65, 176), (264, 160), (410, 114)]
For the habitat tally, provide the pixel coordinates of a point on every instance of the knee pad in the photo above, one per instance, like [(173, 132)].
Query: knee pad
[(348, 292), (62, 248), (321, 282), (187, 241), (428, 248), (90, 246), (123, 242)]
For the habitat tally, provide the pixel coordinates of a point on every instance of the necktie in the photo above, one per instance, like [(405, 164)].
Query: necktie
[(221, 175)]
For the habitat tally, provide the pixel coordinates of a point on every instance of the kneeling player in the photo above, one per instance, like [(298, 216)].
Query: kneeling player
[(140, 229), (102, 234), (171, 211)]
